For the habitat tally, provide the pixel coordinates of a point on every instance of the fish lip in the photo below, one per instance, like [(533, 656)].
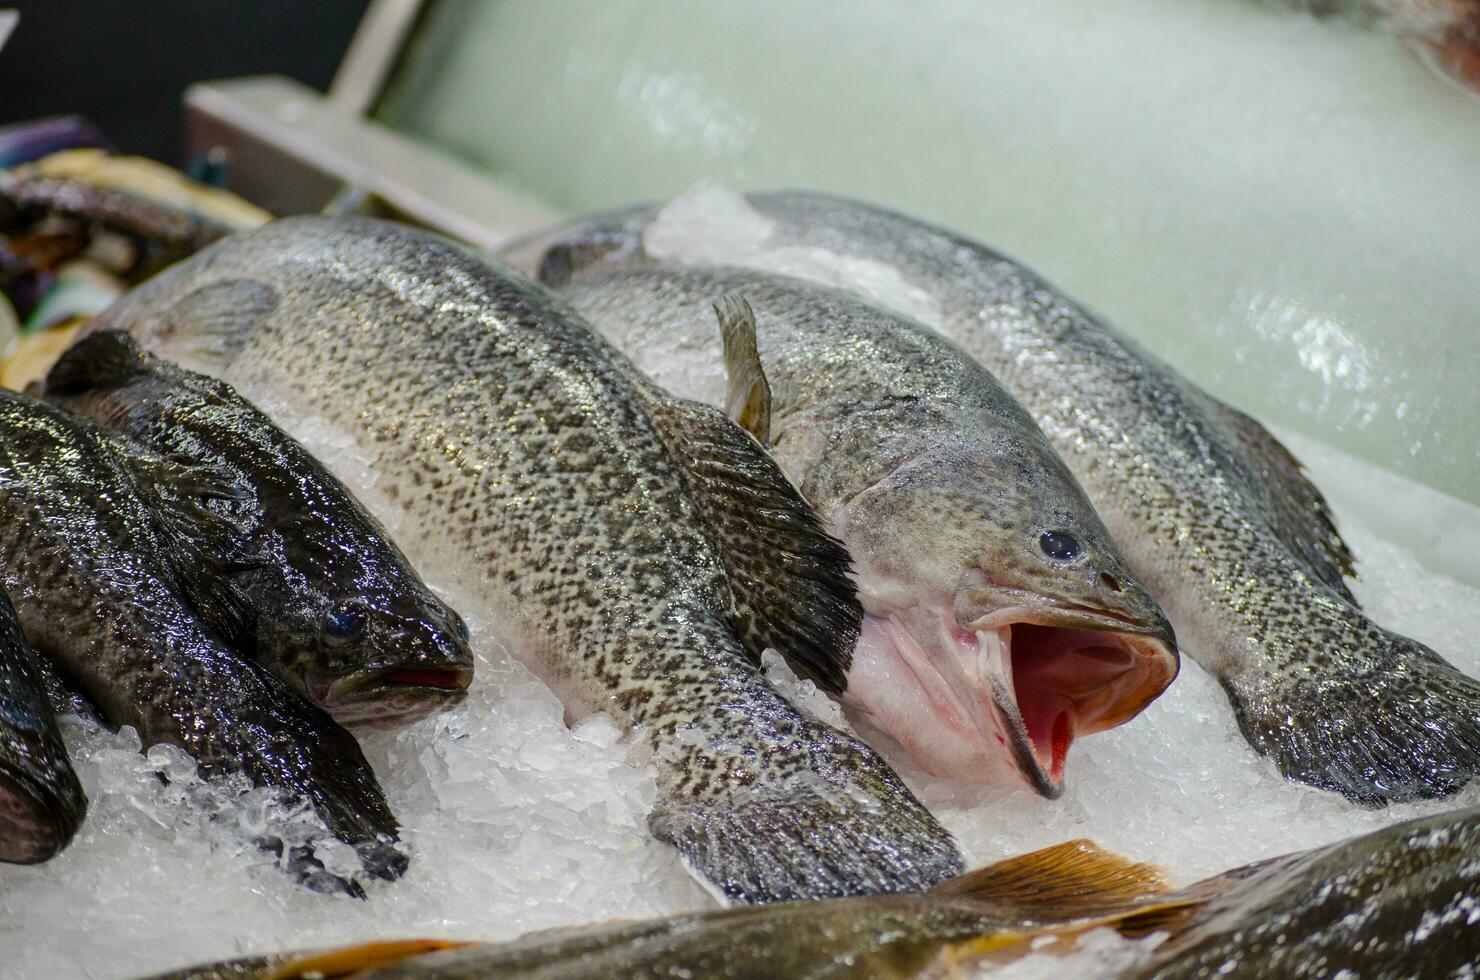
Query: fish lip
[(59, 821), (995, 658), (366, 689), (1067, 615)]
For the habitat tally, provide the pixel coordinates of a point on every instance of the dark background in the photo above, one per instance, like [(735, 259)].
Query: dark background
[(126, 63)]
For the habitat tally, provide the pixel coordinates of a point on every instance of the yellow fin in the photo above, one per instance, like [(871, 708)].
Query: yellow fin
[(347, 960), (748, 398), (1073, 880)]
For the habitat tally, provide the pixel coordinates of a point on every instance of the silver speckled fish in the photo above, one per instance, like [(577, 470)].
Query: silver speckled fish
[(340, 615), (635, 550), (1210, 511), (1000, 619), (41, 802)]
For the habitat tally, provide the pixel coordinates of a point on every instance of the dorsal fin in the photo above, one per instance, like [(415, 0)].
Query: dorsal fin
[(1068, 881), (789, 579), (748, 395), (105, 359), (1300, 512)]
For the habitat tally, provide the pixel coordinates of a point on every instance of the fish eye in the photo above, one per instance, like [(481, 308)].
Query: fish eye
[(1060, 545), (345, 622)]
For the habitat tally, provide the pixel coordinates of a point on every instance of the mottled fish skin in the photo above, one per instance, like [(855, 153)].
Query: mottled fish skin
[(1211, 512), (526, 460), (97, 577), (943, 489), (340, 614), (1396, 903), (41, 801)]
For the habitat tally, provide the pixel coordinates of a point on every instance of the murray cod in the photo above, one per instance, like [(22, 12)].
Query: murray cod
[(339, 612), (1000, 621), (117, 575), (636, 551), (1398, 902), (1211, 512), (41, 801)]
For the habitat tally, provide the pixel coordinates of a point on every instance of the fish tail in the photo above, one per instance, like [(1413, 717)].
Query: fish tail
[(1367, 713), (812, 814)]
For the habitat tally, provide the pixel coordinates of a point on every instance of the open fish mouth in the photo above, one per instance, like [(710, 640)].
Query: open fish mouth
[(1012, 692), (391, 697), (1051, 684)]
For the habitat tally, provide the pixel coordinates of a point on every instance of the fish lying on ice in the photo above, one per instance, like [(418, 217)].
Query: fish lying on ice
[(1060, 891), (114, 571), (340, 614), (636, 550), (41, 801), (1000, 621), (1398, 902), (1210, 511)]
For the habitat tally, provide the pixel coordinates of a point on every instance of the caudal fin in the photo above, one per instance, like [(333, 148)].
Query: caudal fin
[(821, 817), (1381, 718)]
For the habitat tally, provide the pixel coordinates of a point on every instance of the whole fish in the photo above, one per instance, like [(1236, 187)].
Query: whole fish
[(110, 562), (1000, 621), (41, 801), (637, 551), (340, 614), (1058, 891), (1398, 902), (1210, 511)]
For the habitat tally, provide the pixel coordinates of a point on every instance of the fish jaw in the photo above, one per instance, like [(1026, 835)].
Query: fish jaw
[(1007, 697), (391, 697)]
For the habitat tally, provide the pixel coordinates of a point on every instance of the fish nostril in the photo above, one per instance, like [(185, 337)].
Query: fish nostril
[(1110, 581)]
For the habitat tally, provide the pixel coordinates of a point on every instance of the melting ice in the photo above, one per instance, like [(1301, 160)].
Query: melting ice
[(517, 822)]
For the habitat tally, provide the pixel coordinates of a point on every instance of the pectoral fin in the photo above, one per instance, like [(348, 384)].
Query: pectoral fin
[(789, 579), (748, 397)]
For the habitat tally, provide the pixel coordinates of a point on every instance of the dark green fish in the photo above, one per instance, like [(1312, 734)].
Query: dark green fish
[(340, 614), (103, 549), (1000, 621), (1400, 902), (41, 802), (637, 551), (1211, 512)]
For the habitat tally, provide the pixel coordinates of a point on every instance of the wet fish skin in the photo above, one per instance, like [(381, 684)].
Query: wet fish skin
[(1210, 511), (41, 802), (524, 454), (942, 488), (97, 559), (340, 614)]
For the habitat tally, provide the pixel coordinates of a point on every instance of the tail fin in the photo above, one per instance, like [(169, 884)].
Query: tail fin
[(816, 815), (1385, 719)]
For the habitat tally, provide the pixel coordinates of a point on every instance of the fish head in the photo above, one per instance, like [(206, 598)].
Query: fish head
[(378, 660), (1000, 621)]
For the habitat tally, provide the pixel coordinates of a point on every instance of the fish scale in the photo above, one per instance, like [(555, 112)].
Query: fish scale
[(1210, 511), (579, 525)]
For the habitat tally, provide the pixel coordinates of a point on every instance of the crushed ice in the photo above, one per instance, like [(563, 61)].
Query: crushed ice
[(517, 822)]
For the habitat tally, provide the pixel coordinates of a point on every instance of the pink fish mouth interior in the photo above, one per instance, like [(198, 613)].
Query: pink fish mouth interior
[(1071, 682), (1014, 696), (392, 698)]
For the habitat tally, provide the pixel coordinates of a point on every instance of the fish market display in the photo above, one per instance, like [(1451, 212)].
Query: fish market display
[(1211, 512), (41, 802), (339, 613), (115, 572), (1061, 890), (1398, 902), (1000, 620), (636, 550)]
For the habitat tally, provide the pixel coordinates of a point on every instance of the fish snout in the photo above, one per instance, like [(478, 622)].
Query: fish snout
[(427, 667)]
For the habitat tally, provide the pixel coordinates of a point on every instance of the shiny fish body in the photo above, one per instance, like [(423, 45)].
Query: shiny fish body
[(946, 494), (528, 457), (41, 801), (1210, 511), (99, 570), (340, 614)]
